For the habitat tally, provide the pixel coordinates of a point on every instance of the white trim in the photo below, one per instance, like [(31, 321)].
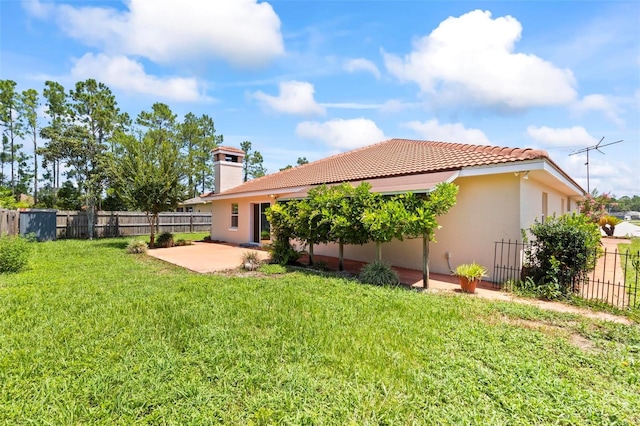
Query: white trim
[(267, 192), (520, 167)]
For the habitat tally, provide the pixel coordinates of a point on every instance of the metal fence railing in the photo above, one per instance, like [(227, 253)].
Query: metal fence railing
[(614, 279)]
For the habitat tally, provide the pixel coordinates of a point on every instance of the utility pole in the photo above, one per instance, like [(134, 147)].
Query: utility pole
[(591, 148)]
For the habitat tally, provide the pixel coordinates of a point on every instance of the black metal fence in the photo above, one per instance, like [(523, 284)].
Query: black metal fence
[(614, 280)]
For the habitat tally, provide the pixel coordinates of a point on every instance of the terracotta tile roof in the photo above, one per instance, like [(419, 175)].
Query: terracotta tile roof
[(394, 157)]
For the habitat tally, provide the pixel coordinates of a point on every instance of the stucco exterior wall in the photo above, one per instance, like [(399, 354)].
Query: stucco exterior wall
[(531, 200), (487, 209), (221, 228)]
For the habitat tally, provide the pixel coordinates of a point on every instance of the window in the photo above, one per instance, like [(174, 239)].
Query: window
[(545, 205), (189, 209), (234, 215), (180, 210), (562, 211)]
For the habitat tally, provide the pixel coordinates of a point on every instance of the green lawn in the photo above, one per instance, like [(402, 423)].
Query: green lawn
[(92, 335), (631, 265)]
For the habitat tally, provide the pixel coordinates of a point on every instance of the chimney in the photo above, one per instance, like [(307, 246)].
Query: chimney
[(227, 167)]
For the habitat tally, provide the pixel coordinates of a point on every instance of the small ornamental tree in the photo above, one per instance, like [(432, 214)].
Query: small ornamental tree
[(422, 213), (385, 220), (594, 206), (608, 224), (147, 176), (310, 226), (342, 208)]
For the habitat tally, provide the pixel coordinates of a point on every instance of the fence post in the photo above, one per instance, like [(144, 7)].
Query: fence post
[(191, 222)]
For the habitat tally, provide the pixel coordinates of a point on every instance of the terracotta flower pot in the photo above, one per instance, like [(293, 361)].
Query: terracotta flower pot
[(468, 286)]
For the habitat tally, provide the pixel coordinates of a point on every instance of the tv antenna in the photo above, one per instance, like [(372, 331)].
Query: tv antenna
[(591, 148)]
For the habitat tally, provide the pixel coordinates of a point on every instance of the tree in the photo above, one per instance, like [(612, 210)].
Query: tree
[(341, 208), (57, 108), (10, 121), (252, 165), (29, 106), (94, 117), (198, 137), (147, 175), (310, 225), (301, 161), (422, 213), (384, 219), (5, 156)]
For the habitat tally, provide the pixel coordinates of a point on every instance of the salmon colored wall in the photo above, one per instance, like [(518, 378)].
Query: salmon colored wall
[(221, 219)]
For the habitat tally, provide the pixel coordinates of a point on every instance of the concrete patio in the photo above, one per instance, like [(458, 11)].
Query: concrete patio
[(205, 257), (214, 257)]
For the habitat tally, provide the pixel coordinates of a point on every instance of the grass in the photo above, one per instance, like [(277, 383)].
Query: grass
[(631, 267), (90, 334)]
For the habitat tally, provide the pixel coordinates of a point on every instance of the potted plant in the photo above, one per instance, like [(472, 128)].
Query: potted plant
[(470, 274)]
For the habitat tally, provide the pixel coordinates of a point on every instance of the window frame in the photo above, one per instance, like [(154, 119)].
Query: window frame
[(235, 216)]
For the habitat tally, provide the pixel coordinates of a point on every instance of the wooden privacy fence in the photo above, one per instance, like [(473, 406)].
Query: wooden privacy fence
[(74, 224), (9, 222)]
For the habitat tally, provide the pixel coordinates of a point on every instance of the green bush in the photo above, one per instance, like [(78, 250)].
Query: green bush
[(182, 242), (164, 240), (378, 273), (14, 254), (282, 252), (136, 247), (321, 265), (563, 252)]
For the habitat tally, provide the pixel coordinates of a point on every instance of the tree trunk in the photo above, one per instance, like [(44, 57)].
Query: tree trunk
[(152, 236), (35, 168), (425, 260), (378, 251), (341, 257), (310, 253), (91, 204)]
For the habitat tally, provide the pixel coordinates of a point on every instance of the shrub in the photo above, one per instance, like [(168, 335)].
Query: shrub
[(272, 269), (608, 224), (250, 260), (564, 250), (378, 273), (182, 242), (164, 240), (282, 252), (549, 289), (14, 254), (321, 265), (136, 247)]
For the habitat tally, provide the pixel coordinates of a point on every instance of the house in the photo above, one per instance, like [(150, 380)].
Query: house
[(194, 205), (502, 190)]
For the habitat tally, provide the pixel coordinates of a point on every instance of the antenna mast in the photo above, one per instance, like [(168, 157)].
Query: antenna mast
[(591, 148)]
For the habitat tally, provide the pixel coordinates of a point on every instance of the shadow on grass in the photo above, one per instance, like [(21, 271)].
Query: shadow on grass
[(117, 243)]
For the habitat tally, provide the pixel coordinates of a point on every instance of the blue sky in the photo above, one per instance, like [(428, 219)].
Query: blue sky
[(313, 78)]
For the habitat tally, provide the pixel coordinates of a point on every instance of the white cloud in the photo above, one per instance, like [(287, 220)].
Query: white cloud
[(342, 134), (471, 59), (129, 76), (361, 64), (434, 131), (37, 9), (604, 104), (296, 97), (561, 137), (242, 32)]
